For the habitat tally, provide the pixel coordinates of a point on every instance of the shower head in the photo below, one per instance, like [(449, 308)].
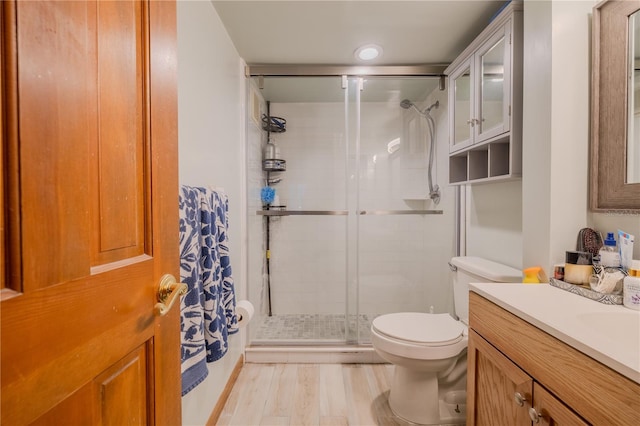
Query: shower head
[(406, 104)]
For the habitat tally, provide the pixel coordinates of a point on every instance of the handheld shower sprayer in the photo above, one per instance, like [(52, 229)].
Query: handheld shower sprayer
[(434, 190)]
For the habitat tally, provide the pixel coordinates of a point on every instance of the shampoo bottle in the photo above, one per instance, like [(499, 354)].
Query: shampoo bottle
[(631, 287)]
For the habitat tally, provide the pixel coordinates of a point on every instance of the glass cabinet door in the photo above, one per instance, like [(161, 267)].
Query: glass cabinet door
[(493, 73), (462, 122)]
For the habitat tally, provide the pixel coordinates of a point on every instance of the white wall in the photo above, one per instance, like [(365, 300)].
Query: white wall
[(536, 140), (494, 222), (554, 196), (611, 222), (211, 107), (556, 133)]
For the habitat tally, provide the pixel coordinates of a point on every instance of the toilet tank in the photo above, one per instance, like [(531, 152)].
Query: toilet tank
[(469, 269)]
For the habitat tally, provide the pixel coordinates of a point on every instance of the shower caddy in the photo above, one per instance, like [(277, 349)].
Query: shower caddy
[(271, 164)]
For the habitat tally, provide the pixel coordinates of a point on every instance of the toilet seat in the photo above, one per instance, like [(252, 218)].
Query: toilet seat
[(430, 330), (418, 336)]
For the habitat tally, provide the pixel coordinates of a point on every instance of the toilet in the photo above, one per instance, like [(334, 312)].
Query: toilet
[(429, 351)]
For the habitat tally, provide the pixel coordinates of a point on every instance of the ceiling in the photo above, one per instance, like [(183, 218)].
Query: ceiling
[(327, 32)]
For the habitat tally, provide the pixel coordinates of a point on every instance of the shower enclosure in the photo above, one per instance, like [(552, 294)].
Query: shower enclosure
[(353, 232)]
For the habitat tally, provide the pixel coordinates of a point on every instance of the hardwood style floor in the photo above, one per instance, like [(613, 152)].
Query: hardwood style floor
[(311, 394)]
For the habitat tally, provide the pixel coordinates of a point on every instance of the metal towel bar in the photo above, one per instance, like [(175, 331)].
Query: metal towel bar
[(344, 212)]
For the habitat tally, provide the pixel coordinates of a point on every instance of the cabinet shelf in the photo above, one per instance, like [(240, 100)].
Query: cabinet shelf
[(485, 104), (274, 165), (488, 162)]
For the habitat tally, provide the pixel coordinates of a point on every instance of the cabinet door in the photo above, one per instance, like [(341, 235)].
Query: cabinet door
[(461, 86), (547, 410), (493, 83), (498, 391)]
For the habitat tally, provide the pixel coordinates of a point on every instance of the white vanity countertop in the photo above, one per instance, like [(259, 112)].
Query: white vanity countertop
[(607, 333)]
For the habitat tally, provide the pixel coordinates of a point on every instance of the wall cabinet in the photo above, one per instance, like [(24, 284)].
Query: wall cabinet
[(518, 374), (485, 103)]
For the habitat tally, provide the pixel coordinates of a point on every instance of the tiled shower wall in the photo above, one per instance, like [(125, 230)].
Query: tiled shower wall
[(402, 260)]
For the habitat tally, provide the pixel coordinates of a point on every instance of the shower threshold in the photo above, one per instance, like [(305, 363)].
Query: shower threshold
[(312, 328), (312, 338)]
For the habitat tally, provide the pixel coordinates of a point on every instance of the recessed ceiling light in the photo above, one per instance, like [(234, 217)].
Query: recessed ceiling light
[(368, 52)]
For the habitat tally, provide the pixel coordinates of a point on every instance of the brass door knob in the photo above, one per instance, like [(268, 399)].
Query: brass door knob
[(168, 292)]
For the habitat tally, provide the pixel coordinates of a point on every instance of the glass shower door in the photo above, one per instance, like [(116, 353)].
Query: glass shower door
[(297, 248), (354, 234), (354, 326), (399, 240)]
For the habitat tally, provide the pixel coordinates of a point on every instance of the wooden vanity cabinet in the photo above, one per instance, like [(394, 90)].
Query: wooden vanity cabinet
[(520, 375), (505, 395)]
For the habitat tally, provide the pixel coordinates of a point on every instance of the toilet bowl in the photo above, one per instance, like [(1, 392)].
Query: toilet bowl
[(429, 351), (423, 348)]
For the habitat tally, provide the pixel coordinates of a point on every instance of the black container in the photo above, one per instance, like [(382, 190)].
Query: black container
[(578, 258)]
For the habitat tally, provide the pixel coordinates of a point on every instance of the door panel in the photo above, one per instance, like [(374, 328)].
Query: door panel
[(551, 411), (492, 383), (96, 193), (461, 125), (493, 82), (56, 104), (123, 385), (119, 159)]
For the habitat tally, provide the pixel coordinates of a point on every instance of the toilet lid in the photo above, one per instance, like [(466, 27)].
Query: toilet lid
[(426, 329)]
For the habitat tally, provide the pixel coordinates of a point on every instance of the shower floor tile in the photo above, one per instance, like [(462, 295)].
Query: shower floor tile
[(311, 327)]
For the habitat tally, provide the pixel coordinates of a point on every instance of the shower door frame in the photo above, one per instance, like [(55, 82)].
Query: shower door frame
[(348, 74)]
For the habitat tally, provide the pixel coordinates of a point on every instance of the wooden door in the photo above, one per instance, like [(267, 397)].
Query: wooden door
[(90, 221), (492, 384)]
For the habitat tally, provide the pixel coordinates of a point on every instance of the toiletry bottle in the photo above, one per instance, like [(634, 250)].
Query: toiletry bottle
[(631, 287), (609, 255), (531, 275), (269, 151)]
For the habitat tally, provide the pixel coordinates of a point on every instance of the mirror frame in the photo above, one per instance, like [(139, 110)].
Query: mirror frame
[(608, 190)]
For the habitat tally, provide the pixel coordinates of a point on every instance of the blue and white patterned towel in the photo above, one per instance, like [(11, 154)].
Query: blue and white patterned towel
[(208, 309)]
